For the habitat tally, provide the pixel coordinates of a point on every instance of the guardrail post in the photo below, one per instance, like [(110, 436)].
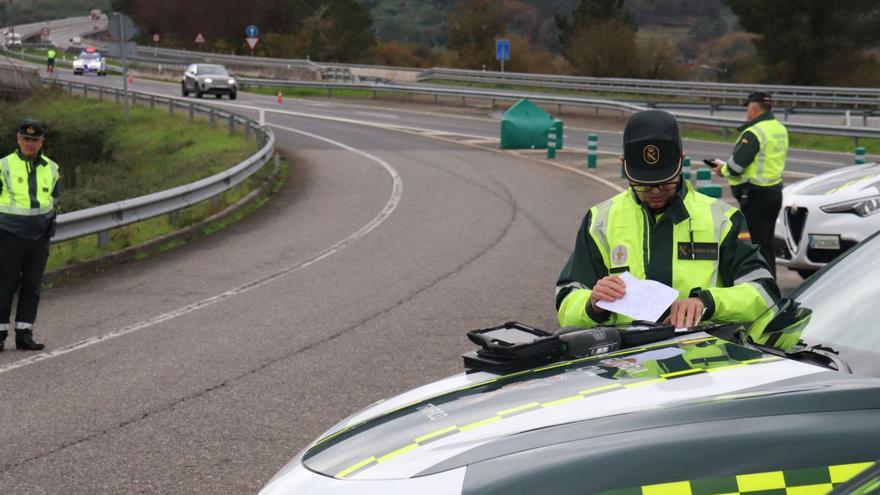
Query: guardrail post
[(212, 118), (435, 98), (116, 94), (464, 101), (705, 185), (100, 93), (864, 118), (558, 108), (247, 131), (85, 90), (592, 148), (174, 218), (171, 107), (152, 101), (231, 124), (192, 113), (551, 143), (104, 239), (859, 156)]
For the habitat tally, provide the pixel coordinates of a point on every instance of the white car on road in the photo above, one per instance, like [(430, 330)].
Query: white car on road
[(90, 60), (825, 215)]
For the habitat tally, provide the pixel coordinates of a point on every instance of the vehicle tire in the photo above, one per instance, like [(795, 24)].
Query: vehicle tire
[(233, 95), (183, 90), (805, 274), (199, 93), (218, 95)]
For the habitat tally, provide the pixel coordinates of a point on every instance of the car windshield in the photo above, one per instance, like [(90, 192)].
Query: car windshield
[(211, 70), (836, 308), (90, 56)]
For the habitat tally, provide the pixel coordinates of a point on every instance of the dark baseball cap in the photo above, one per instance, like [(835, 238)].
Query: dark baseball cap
[(760, 97), (651, 147), (31, 128)]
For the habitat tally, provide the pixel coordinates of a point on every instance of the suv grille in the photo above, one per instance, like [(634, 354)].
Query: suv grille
[(796, 219)]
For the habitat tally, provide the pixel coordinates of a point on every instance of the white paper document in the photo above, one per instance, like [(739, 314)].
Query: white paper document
[(644, 300)]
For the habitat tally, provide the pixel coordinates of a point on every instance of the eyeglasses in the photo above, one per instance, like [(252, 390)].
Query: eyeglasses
[(663, 186)]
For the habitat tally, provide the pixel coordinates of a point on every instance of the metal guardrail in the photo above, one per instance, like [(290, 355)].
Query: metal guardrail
[(101, 219), (192, 57), (721, 91), (560, 101)]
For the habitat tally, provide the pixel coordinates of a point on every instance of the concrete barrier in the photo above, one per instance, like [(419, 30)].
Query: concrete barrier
[(19, 79)]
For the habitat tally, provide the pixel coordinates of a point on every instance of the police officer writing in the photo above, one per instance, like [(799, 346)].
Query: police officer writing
[(754, 171), (28, 188), (661, 229)]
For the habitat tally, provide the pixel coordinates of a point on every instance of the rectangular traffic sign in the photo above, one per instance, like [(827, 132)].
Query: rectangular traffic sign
[(502, 49)]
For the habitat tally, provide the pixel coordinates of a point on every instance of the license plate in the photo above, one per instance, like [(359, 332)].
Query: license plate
[(824, 241)]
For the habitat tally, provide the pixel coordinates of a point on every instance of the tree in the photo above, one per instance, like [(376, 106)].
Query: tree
[(605, 49), (473, 30), (811, 41), (588, 14)]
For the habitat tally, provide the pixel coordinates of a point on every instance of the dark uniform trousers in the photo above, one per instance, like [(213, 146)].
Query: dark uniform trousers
[(760, 205), (21, 267)]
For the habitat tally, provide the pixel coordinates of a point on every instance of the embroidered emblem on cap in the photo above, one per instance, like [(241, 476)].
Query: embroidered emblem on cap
[(619, 255), (31, 130), (651, 154)]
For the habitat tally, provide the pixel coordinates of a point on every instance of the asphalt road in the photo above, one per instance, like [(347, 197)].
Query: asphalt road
[(204, 369)]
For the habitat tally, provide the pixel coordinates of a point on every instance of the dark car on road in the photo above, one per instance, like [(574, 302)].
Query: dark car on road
[(208, 79), (707, 412)]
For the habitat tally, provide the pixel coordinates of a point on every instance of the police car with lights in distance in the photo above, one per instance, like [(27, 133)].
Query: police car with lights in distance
[(89, 61), (787, 404)]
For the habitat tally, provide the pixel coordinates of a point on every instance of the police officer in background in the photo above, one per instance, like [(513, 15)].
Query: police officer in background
[(754, 171), (28, 189), (50, 60), (662, 229)]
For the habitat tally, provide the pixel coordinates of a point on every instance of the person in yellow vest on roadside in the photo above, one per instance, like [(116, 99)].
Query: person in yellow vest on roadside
[(754, 171), (28, 189), (661, 229), (50, 60)]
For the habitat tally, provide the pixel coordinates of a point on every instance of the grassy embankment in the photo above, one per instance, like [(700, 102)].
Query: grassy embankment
[(103, 159)]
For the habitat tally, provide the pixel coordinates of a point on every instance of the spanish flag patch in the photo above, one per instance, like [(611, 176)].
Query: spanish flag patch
[(744, 236)]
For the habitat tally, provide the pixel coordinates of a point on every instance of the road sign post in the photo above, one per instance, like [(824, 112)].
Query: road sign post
[(156, 39), (502, 51), (252, 34), (200, 40)]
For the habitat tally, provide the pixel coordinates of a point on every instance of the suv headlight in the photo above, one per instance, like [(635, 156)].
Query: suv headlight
[(208, 80), (863, 207), (232, 81)]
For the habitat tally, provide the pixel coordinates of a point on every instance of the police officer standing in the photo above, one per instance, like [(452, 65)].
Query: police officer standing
[(50, 60), (662, 229), (28, 189), (754, 171)]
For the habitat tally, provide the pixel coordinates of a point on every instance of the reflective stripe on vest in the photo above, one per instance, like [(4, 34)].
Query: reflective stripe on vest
[(766, 168), (620, 231), (15, 197)]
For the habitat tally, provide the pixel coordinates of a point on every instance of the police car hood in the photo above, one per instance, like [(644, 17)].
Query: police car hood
[(857, 181), (462, 416)]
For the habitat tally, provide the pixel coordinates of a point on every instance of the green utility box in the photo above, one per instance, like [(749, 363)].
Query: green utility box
[(525, 126)]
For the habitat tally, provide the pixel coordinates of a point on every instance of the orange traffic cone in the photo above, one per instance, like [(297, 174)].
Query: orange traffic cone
[(280, 98)]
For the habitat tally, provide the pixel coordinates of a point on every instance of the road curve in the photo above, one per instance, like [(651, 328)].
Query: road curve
[(313, 314)]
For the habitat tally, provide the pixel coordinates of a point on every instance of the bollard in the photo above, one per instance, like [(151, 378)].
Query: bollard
[(705, 185), (686, 171), (592, 149), (859, 155), (551, 143)]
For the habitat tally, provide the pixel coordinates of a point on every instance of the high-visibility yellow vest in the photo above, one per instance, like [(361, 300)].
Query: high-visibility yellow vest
[(766, 168), (51, 54), (22, 195)]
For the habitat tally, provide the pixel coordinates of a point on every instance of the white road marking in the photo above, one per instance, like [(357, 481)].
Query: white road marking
[(376, 114), (390, 206)]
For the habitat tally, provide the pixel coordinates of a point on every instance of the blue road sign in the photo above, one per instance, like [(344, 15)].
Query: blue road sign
[(251, 31), (502, 49)]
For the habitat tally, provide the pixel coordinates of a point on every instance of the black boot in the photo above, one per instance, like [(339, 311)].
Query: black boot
[(24, 341), (3, 335)]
